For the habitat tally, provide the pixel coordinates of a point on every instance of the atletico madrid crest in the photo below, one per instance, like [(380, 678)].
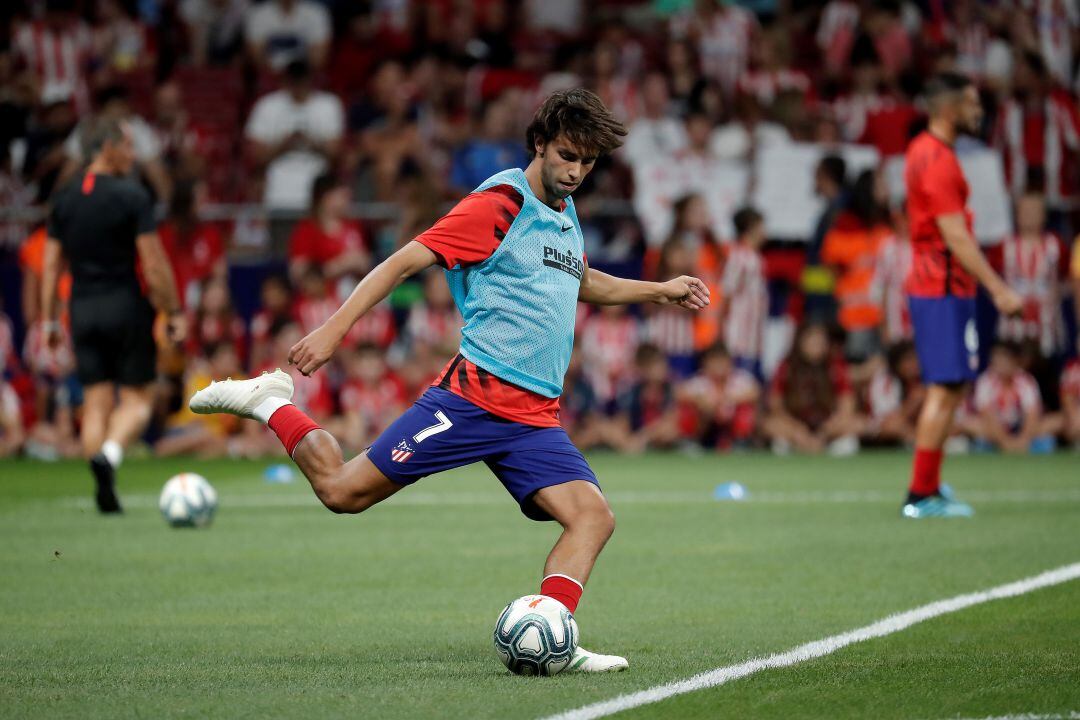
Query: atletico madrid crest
[(402, 452)]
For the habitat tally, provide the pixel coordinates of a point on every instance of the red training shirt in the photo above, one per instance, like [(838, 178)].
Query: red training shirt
[(467, 235), (935, 187)]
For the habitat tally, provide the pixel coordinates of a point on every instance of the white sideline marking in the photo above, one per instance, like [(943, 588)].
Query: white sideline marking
[(819, 648), (1031, 716), (628, 497)]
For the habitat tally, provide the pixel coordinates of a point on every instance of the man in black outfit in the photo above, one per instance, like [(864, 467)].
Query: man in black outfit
[(101, 222)]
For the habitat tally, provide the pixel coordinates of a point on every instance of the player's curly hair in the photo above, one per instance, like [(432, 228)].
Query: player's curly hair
[(580, 116)]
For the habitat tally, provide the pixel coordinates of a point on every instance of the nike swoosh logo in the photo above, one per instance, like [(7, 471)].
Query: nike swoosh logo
[(567, 228)]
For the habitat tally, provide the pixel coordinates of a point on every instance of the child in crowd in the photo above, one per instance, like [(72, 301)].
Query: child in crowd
[(745, 294), (12, 434), (891, 268), (1070, 401), (313, 304), (215, 321), (433, 328), (276, 312), (608, 340), (723, 401), (370, 397), (205, 435), (669, 327), (894, 396), (1008, 410), (329, 240), (579, 409), (195, 248), (1034, 263), (811, 406), (647, 416)]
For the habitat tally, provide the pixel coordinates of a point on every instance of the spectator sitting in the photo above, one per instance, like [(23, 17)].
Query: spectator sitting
[(276, 312), (647, 416), (1070, 402), (195, 248), (120, 43), (496, 148), (1035, 264), (748, 133), (670, 327), (1008, 410), (46, 147), (830, 186), (656, 131), (811, 406), (329, 240), (58, 74), (723, 400), (215, 322), (891, 268), (12, 434), (580, 411), (203, 435), (851, 248), (745, 294), (216, 28), (433, 327), (293, 132), (278, 32), (370, 398), (313, 305), (114, 102), (608, 339), (311, 392), (183, 147), (894, 397)]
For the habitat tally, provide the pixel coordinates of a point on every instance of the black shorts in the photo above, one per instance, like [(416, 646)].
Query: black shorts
[(113, 335)]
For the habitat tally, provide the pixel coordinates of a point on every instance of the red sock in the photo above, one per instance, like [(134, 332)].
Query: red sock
[(291, 425), (565, 590), (926, 472)]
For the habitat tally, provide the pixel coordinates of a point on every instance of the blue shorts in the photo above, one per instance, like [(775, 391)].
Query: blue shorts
[(946, 339), (442, 431)]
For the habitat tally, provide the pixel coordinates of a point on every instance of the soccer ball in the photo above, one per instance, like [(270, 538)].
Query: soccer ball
[(536, 635), (188, 500)]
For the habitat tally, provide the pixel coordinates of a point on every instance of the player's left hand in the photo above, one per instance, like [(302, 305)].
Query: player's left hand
[(687, 291)]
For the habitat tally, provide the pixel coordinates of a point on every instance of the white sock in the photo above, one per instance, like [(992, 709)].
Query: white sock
[(113, 453), (268, 407)]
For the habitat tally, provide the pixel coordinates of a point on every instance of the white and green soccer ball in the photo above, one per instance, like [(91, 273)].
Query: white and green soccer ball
[(536, 635), (188, 500)]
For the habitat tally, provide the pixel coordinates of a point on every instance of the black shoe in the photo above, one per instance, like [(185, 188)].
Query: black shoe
[(105, 478)]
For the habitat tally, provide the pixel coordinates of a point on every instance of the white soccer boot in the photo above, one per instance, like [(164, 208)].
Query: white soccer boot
[(588, 662), (241, 397)]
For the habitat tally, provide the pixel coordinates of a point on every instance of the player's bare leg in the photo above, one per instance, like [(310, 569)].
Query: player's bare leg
[(98, 402), (587, 523), (98, 405), (932, 430), (343, 487)]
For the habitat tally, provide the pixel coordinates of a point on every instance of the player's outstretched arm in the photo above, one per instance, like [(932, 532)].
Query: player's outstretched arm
[(964, 248), (313, 351), (602, 289)]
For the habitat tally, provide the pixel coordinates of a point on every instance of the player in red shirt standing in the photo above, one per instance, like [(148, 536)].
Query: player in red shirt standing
[(946, 267)]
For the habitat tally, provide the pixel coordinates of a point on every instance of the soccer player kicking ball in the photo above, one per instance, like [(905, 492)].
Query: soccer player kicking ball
[(946, 265), (515, 261)]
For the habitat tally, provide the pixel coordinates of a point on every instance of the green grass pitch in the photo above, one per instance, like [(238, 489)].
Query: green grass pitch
[(282, 609)]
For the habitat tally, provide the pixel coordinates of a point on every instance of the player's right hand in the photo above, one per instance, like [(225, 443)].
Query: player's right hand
[(314, 351), (1008, 301)]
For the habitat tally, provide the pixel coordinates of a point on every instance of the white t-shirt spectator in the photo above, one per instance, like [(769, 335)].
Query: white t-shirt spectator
[(732, 141), (287, 36), (320, 117), (649, 138), (143, 138)]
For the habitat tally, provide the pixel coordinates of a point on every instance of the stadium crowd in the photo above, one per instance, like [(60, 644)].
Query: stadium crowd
[(292, 144)]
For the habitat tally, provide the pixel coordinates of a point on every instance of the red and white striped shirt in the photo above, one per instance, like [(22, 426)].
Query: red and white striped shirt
[(893, 266), (434, 327), (1034, 268), (374, 403), (671, 329), (747, 301), (1049, 139), (57, 59), (375, 327), (608, 343), (1010, 399), (724, 45)]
